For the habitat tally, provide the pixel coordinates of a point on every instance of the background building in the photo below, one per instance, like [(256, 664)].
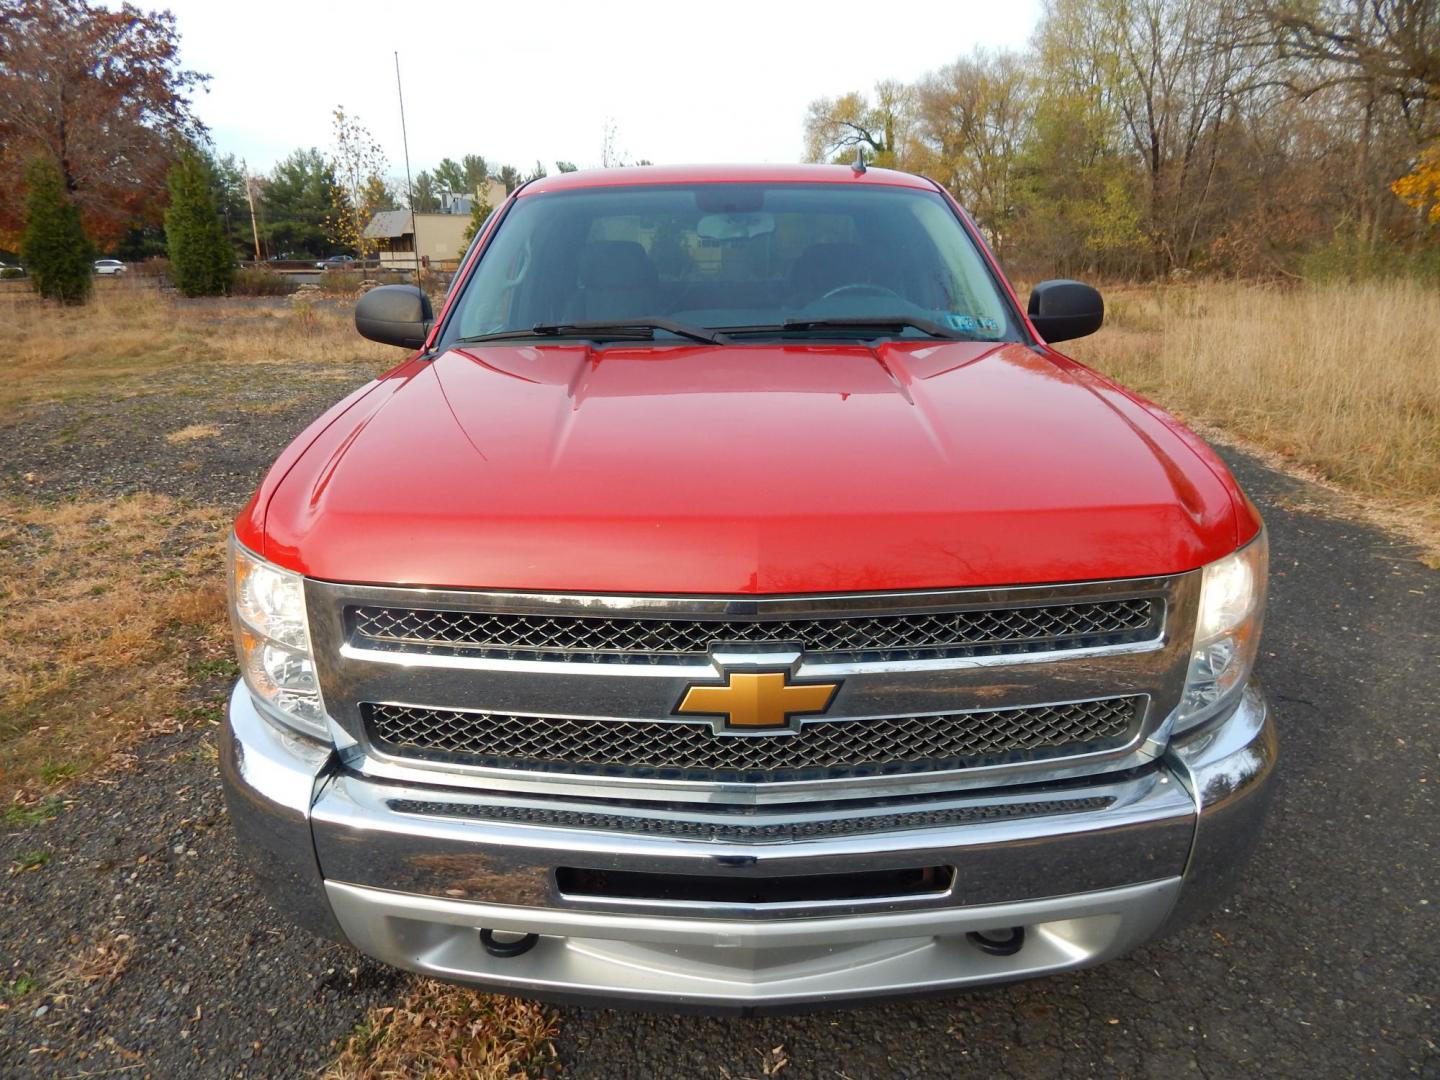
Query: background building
[(438, 238)]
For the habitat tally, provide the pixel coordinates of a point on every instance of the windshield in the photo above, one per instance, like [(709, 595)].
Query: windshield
[(831, 260)]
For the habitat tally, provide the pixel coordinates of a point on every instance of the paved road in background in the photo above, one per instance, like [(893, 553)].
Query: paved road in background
[(1326, 963)]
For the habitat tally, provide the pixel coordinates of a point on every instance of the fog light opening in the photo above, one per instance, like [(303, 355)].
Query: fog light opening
[(998, 942), (509, 948)]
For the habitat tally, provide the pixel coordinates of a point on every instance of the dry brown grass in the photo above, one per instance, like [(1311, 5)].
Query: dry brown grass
[(107, 611), (1340, 379), (111, 611), (102, 961), (191, 432), (439, 1030), (128, 335)]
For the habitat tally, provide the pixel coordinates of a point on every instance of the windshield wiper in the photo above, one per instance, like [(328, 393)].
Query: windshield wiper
[(616, 329), (879, 323)]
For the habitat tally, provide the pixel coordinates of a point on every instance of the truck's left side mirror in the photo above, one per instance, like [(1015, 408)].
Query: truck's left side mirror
[(395, 315), (1061, 310)]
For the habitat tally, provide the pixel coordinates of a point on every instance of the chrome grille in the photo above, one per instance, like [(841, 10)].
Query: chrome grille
[(881, 637), (692, 751)]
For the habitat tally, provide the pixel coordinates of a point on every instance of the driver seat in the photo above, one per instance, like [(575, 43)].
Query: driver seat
[(616, 280)]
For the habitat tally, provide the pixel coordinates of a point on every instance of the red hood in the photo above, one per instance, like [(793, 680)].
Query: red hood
[(745, 469)]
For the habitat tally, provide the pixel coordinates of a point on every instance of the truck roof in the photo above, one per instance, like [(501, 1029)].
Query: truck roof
[(722, 174)]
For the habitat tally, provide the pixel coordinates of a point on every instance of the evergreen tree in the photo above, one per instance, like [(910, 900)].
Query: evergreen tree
[(55, 249), (296, 204), (228, 175), (201, 258), (477, 172), (480, 211), (424, 198)]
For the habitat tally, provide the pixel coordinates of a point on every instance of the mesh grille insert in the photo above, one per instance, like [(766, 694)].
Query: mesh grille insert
[(820, 749), (628, 639)]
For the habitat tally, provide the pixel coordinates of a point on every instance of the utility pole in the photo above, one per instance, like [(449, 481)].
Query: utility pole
[(250, 198)]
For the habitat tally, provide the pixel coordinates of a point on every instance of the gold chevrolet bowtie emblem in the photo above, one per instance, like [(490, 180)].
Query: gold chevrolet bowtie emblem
[(766, 699)]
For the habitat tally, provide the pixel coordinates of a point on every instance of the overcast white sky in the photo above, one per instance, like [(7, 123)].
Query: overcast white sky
[(681, 81)]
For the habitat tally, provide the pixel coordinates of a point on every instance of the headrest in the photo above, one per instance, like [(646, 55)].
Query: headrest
[(616, 264)]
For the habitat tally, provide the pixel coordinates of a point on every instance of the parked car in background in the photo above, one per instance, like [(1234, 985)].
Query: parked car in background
[(11, 270), (336, 262), (110, 266)]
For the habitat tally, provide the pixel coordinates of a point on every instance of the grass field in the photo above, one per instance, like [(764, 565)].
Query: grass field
[(1342, 380), (130, 334), (129, 635), (131, 430)]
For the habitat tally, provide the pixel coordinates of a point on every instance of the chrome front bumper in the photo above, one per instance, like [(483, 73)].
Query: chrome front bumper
[(411, 874)]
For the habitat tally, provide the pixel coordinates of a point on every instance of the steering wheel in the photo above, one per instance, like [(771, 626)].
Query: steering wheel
[(864, 289)]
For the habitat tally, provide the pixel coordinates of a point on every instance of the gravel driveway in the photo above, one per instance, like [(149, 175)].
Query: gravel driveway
[(1327, 962)]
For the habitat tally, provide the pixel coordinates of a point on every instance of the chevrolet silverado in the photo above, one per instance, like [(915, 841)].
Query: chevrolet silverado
[(734, 602)]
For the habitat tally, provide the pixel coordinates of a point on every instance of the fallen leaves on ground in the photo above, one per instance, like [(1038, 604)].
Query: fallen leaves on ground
[(439, 1030)]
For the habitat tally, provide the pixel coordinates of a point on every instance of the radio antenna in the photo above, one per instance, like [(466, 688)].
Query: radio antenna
[(409, 189)]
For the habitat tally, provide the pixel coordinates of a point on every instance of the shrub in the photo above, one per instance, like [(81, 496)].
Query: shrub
[(435, 283), (340, 283), (200, 256), (55, 248), (255, 281), (303, 317), (157, 268), (1348, 258)]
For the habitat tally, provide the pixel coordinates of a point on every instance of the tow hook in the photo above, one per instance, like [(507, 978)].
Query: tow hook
[(998, 942), (507, 950)]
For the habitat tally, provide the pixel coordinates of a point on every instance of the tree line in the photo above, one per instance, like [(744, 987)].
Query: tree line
[(316, 202), (100, 151), (1153, 137), (1133, 137)]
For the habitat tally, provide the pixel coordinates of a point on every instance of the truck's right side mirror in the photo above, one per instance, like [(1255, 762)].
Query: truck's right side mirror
[(1061, 310), (395, 315)]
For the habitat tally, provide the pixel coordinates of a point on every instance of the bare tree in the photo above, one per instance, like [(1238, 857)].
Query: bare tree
[(1373, 68), (359, 167), (972, 120), (1175, 75), (1389, 48), (836, 127)]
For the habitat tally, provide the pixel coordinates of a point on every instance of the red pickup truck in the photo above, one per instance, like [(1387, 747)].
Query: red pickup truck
[(735, 603)]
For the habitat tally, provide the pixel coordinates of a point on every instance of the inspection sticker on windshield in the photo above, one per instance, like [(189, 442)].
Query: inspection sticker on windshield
[(972, 324)]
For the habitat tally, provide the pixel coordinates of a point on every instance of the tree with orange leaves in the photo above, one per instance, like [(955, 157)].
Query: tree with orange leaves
[(1420, 187), (101, 94)]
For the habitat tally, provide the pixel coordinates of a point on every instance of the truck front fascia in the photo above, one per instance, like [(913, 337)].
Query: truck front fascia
[(411, 876)]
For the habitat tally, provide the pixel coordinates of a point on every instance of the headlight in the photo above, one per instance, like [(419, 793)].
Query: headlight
[(272, 638), (1227, 632)]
